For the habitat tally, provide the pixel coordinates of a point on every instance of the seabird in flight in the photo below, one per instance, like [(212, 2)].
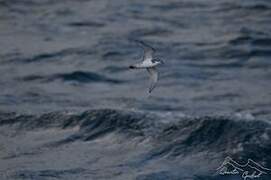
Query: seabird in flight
[(149, 63)]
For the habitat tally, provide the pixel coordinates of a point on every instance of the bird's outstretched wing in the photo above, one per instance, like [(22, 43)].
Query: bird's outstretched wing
[(148, 51), (153, 77)]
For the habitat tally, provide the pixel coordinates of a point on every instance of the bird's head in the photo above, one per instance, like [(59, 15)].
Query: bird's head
[(158, 61)]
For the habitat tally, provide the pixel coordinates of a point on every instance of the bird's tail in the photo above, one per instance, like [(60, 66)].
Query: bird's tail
[(132, 67)]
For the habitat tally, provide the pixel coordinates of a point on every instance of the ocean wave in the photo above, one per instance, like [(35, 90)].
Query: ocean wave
[(76, 76), (155, 138), (246, 39), (184, 135), (86, 24), (46, 57)]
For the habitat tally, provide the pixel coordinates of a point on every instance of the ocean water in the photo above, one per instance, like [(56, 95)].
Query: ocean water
[(70, 108)]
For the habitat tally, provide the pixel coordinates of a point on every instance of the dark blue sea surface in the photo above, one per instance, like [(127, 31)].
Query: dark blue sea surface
[(70, 108)]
